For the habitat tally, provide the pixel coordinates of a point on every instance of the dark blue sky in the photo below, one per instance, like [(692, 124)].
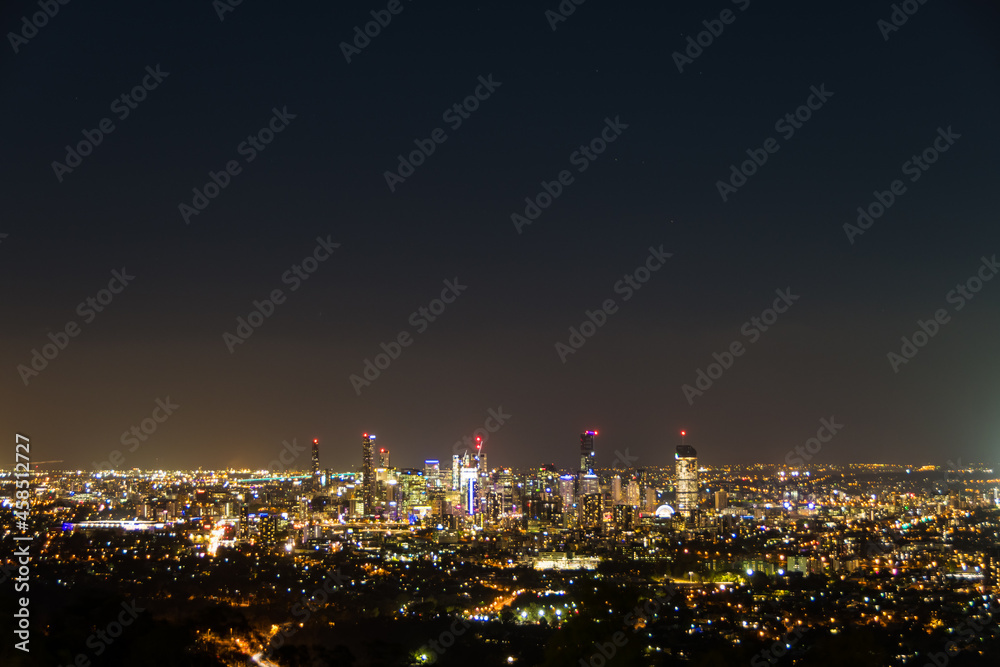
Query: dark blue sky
[(656, 184)]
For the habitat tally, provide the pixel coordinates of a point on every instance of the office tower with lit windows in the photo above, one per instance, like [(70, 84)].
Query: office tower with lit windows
[(456, 468), (383, 458), (623, 516), (589, 484), (591, 507), (244, 523), (269, 530), (368, 471), (505, 486), (686, 472), (567, 491), (315, 465), (470, 489), (432, 473), (587, 452)]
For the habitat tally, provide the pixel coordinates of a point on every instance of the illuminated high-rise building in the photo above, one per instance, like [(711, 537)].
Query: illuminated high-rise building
[(587, 452), (269, 530), (567, 491), (589, 484), (623, 516), (686, 472), (368, 471), (244, 523), (505, 486), (481, 457), (456, 468), (316, 478), (470, 490), (383, 458), (432, 474), (632, 492), (591, 506)]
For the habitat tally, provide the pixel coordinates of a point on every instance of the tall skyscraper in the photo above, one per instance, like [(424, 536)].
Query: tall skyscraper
[(481, 457), (368, 471), (567, 491), (456, 467), (686, 461), (587, 452), (470, 489), (505, 484), (383, 458), (315, 465)]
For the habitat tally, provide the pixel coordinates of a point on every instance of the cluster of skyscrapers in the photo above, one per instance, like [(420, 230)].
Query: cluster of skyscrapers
[(468, 490)]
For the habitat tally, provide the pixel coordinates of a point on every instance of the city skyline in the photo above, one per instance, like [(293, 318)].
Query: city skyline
[(555, 334)]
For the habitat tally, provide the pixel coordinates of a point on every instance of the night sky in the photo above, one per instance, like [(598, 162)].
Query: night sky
[(553, 92)]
